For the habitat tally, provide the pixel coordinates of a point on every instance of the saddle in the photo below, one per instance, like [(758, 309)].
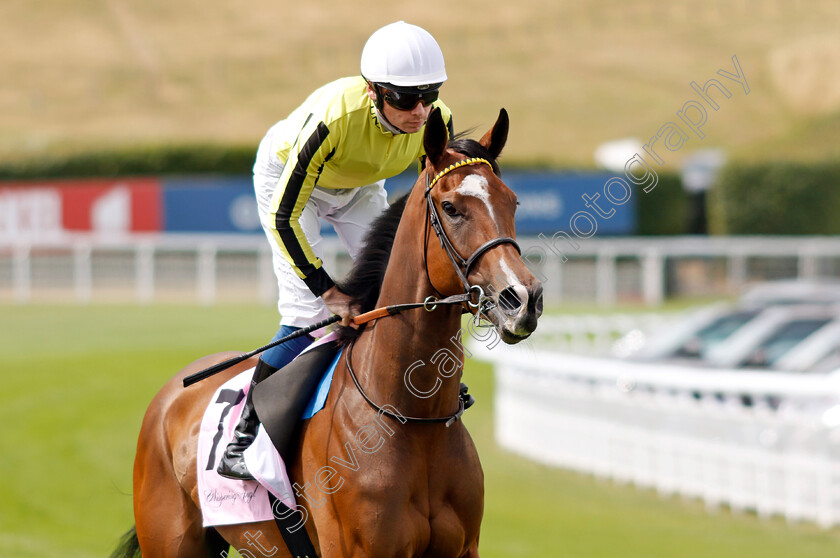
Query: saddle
[(281, 399)]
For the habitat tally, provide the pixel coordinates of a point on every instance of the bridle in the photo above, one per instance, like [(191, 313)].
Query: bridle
[(462, 269), (462, 266)]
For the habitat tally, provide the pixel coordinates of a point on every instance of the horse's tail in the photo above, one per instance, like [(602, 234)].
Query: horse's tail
[(129, 546)]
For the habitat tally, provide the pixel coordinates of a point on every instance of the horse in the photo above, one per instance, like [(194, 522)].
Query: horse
[(417, 486)]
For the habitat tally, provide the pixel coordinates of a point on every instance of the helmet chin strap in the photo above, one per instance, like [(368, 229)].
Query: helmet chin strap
[(379, 105), (380, 114)]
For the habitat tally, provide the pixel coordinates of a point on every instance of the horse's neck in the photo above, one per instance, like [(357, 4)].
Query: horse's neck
[(390, 351)]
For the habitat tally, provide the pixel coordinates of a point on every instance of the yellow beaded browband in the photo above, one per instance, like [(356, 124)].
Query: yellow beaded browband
[(453, 166)]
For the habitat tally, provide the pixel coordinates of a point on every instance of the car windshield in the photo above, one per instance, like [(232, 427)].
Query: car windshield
[(787, 336), (714, 333)]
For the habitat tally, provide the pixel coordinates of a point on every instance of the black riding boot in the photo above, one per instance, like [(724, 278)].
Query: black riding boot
[(232, 464)]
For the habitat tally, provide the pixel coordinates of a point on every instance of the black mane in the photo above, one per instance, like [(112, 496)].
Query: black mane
[(365, 279)]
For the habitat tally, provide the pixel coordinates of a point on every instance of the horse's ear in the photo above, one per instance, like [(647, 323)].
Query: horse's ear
[(434, 138), (495, 139)]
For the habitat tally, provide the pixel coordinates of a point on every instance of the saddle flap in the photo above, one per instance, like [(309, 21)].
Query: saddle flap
[(281, 399)]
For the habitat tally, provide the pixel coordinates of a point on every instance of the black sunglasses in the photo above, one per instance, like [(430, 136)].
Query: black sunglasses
[(407, 101)]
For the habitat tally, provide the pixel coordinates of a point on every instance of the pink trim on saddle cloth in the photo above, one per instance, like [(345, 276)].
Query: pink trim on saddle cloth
[(331, 336), (227, 501)]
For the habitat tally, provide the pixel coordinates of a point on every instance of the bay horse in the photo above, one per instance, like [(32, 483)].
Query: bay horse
[(421, 493)]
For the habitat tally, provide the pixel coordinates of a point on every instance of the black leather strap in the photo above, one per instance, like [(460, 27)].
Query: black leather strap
[(487, 246), (294, 535), (403, 419)]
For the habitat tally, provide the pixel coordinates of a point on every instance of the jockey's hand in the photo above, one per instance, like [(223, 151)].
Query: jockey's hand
[(339, 303)]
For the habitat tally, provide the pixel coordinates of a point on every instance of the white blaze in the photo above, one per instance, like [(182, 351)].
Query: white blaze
[(511, 277), (476, 185)]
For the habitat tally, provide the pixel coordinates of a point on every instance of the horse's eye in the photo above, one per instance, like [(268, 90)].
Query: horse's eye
[(449, 209)]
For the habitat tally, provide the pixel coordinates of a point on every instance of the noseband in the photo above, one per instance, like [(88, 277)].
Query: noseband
[(462, 266)]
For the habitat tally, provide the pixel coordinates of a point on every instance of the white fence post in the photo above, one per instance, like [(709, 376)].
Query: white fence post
[(206, 274), (22, 273), (806, 263), (267, 285), (145, 269), (83, 272), (554, 280), (653, 277), (737, 271), (605, 283)]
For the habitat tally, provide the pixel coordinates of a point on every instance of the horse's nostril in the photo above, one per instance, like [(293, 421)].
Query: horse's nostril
[(509, 301), (538, 305), (535, 302)]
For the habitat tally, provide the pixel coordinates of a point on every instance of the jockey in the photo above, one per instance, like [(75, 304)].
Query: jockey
[(329, 160)]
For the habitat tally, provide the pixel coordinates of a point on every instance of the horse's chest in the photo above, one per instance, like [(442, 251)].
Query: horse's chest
[(419, 507), (432, 525), (393, 494)]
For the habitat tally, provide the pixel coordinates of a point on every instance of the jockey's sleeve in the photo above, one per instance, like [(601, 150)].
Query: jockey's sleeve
[(313, 148)]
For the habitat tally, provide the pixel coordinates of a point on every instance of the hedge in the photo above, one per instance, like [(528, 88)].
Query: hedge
[(663, 210), (777, 198), (138, 161)]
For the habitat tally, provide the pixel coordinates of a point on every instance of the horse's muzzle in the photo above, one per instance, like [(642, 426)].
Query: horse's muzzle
[(517, 310)]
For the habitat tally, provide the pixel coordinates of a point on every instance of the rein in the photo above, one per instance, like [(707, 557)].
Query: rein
[(403, 419)]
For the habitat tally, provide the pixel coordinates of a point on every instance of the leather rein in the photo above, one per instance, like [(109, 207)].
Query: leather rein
[(462, 269)]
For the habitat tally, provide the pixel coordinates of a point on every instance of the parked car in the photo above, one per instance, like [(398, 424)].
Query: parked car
[(778, 293), (819, 352), (694, 336), (759, 330), (771, 335)]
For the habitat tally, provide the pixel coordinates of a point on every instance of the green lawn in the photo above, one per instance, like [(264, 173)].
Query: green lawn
[(77, 379)]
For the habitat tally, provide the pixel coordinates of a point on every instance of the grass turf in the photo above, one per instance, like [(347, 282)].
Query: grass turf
[(77, 381)]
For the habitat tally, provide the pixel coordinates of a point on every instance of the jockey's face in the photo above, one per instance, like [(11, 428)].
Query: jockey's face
[(409, 121)]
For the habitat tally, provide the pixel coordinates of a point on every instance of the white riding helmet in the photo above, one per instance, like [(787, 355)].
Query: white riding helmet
[(404, 56)]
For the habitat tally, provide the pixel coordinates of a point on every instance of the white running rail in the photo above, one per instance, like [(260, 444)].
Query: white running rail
[(207, 268), (679, 430), (595, 333)]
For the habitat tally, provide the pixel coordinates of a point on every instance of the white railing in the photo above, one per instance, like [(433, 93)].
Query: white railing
[(145, 268), (636, 266), (768, 442), (595, 334), (208, 268)]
